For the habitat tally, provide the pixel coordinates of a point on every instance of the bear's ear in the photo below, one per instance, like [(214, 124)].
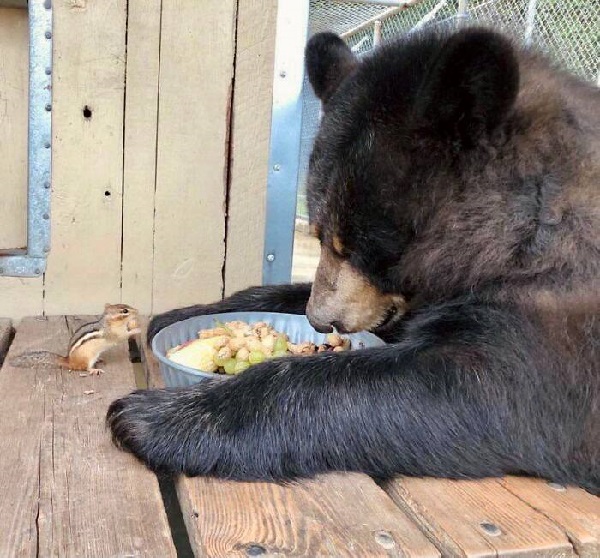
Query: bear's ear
[(328, 62), (470, 88)]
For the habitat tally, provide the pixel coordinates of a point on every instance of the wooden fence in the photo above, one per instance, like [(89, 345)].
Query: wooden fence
[(161, 120)]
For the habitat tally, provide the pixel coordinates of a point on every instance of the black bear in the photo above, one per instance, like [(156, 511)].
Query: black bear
[(454, 186)]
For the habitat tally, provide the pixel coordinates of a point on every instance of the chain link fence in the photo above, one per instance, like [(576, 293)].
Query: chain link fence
[(568, 30)]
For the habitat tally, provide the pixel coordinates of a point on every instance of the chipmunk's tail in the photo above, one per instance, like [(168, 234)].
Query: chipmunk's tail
[(38, 359)]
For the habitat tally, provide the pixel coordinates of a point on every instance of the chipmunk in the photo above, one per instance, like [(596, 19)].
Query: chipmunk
[(117, 324)]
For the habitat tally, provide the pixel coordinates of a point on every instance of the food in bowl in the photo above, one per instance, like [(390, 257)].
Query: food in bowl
[(232, 347)]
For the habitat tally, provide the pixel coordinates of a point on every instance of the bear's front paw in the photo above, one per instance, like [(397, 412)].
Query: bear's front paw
[(166, 429)]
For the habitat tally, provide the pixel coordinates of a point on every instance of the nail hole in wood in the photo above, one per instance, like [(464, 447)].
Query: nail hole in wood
[(107, 194), (255, 550), (87, 112)]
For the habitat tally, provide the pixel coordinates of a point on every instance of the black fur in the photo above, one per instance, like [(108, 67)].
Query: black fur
[(479, 205)]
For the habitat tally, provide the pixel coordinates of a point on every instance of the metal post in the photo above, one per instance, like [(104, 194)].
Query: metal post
[(531, 12), (286, 133), (31, 262), (429, 16), (377, 33), (380, 17), (463, 11)]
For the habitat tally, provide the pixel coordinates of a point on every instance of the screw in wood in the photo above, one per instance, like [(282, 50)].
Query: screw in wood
[(255, 550), (385, 539), (491, 529)]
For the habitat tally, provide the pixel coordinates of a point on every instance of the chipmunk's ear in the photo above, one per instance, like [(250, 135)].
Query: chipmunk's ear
[(107, 306)]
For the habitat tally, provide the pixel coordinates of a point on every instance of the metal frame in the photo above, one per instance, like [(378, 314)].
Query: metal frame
[(286, 130), (31, 262)]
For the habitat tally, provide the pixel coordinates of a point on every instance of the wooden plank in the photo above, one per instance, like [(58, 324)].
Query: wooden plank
[(335, 515), (18, 297), (574, 510), (13, 3), (251, 125), (139, 173), (462, 518), (66, 491), (21, 297), (84, 266), (14, 85), (196, 72)]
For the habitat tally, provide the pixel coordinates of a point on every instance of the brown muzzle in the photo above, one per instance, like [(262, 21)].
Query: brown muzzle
[(343, 298)]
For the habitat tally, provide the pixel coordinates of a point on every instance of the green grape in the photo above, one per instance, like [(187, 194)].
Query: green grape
[(277, 354), (221, 361), (230, 365), (280, 345), (256, 356), (240, 366)]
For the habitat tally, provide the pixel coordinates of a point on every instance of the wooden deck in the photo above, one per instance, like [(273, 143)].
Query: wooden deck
[(66, 491)]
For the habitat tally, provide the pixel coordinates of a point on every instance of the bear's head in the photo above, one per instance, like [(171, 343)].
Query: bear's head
[(426, 179)]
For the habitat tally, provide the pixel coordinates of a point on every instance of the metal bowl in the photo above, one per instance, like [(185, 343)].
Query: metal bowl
[(295, 326)]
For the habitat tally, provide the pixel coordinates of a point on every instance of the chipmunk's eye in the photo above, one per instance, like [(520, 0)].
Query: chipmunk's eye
[(125, 311)]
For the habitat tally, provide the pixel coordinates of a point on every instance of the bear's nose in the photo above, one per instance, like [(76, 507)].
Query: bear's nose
[(319, 326)]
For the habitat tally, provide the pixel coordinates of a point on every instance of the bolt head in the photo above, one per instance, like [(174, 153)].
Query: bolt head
[(270, 257)]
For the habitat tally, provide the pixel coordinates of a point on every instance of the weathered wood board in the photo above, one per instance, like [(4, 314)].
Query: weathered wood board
[(250, 134), (478, 518), (139, 172), (66, 490), (14, 85), (84, 265), (195, 92), (575, 511)]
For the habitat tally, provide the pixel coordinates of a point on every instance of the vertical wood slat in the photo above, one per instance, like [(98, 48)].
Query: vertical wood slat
[(84, 266), (139, 173), (196, 73), (14, 82), (17, 296), (251, 127)]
